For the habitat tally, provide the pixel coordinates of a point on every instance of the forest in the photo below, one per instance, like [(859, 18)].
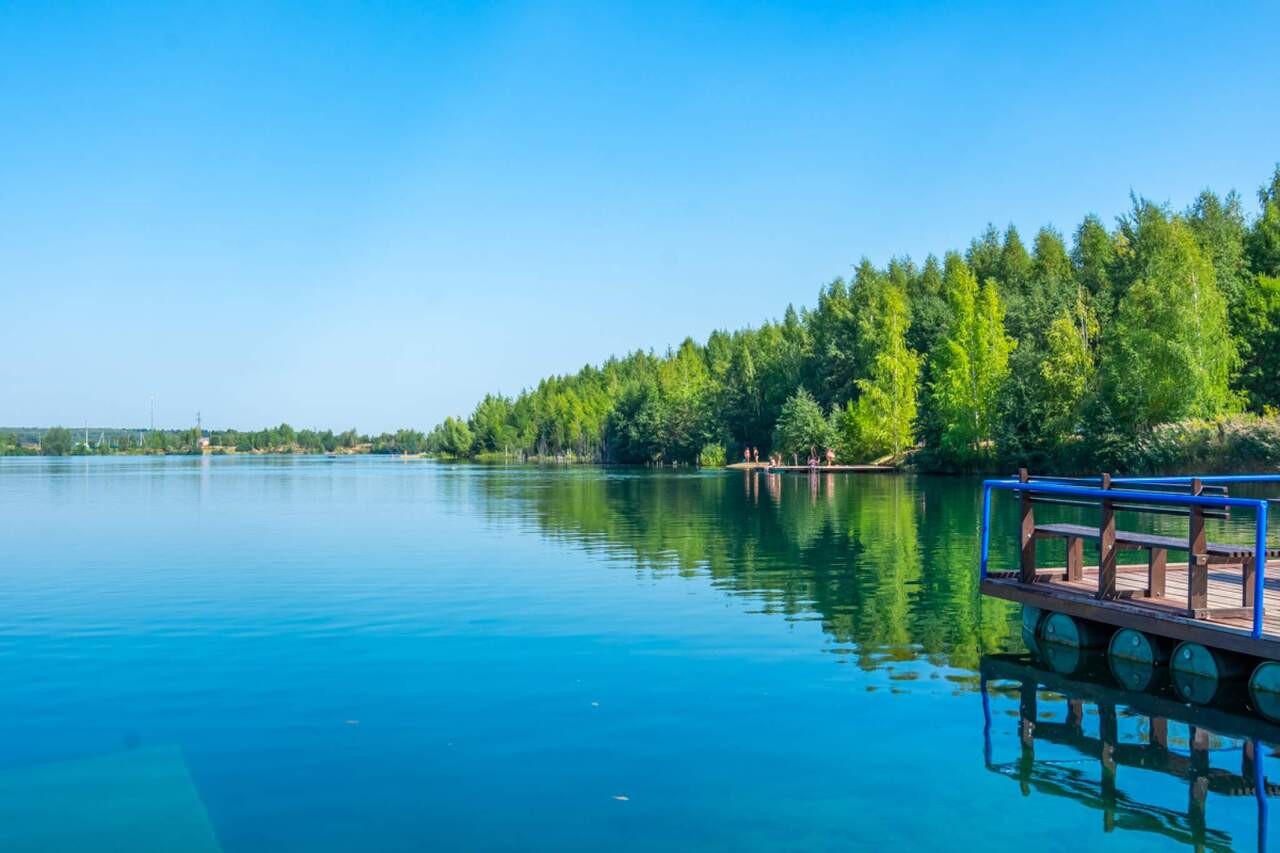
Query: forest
[(60, 441), (1152, 343)]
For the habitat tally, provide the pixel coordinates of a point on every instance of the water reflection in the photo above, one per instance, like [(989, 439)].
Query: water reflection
[(885, 562), (1079, 735)]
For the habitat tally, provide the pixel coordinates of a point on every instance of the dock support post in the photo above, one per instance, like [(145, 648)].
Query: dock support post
[(1028, 557), (1107, 546), (1157, 562), (1075, 558), (1197, 559)]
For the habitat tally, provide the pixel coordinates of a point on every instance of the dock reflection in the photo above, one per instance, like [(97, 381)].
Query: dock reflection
[(1079, 734)]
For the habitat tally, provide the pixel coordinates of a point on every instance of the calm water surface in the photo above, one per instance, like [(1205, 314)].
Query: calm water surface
[(266, 654)]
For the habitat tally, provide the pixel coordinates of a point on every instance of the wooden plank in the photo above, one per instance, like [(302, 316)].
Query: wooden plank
[(1148, 540), (1242, 613)]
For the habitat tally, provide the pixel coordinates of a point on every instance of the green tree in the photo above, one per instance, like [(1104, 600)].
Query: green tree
[(802, 426), (1068, 368), (1260, 342), (1170, 354), (456, 438), (971, 362), (490, 424), (57, 441), (883, 418), (926, 299), (1219, 230), (684, 398), (1093, 255), (836, 349), (1263, 242)]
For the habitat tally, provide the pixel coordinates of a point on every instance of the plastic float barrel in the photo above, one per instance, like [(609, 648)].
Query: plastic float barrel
[(1137, 646), (1061, 629), (1264, 689), (1032, 618), (1135, 658), (1202, 675), (1029, 640), (1062, 658)]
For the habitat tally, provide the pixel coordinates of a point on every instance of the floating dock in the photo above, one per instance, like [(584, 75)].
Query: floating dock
[(820, 469), (1212, 615)]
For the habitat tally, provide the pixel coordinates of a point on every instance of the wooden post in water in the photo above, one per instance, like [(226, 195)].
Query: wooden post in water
[(1075, 714), (1197, 559), (1027, 733), (1158, 732), (1107, 546), (1109, 735), (1028, 559), (1199, 779)]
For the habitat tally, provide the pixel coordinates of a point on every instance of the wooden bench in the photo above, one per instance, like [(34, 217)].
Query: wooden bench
[(1157, 547)]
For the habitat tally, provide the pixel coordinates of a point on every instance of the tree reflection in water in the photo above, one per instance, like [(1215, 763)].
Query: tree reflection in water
[(887, 563)]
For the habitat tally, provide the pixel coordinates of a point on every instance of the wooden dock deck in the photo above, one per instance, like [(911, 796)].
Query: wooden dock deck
[(1164, 616), (821, 469)]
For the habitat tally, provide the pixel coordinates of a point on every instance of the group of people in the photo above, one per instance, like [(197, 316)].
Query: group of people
[(751, 455)]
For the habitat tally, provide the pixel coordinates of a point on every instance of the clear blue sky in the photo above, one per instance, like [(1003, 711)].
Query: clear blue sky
[(369, 214)]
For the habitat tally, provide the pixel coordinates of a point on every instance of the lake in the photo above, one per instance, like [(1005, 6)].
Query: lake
[(304, 653)]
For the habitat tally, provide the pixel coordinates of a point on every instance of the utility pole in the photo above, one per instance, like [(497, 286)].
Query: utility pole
[(153, 413)]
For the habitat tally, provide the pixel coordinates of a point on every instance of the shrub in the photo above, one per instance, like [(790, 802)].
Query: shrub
[(711, 456)]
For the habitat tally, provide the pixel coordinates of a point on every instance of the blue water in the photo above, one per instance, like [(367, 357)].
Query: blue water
[(276, 653)]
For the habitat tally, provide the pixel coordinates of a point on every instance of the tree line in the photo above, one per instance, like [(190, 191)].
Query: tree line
[(60, 441), (1058, 355)]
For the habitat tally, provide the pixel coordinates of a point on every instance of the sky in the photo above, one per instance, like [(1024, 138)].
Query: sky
[(371, 214)]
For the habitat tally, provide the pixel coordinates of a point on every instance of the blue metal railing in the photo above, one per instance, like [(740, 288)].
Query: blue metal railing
[(1258, 505)]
